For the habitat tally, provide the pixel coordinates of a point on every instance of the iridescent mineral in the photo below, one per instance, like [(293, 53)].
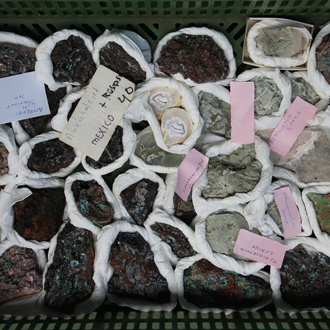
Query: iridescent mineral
[(321, 203), (4, 169)]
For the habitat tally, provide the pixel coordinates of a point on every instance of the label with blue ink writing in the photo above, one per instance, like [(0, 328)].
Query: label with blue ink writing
[(98, 112)]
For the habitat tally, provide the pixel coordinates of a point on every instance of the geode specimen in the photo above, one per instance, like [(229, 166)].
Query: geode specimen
[(206, 285), (4, 168), (112, 151), (39, 216), (91, 202), (321, 203), (50, 156), (139, 199), (72, 62), (267, 96), (184, 210), (69, 279), (197, 57), (301, 88), (175, 238), (305, 279), (274, 213), (19, 273), (36, 125), (322, 54), (114, 57), (238, 172), (135, 273), (16, 59)]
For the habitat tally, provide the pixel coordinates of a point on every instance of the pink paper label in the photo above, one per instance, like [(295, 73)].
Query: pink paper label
[(291, 125), (289, 212), (242, 112), (259, 248), (189, 171)]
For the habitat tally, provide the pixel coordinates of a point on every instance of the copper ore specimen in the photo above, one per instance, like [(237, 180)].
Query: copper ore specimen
[(197, 57), (72, 61), (39, 216), (175, 238), (114, 57), (69, 279), (206, 285), (184, 210), (50, 156), (112, 151), (4, 169), (305, 279), (35, 126), (322, 54), (139, 199), (321, 205), (19, 273), (135, 273), (16, 59), (91, 202)]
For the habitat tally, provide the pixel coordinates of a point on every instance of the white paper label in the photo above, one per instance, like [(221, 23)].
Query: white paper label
[(98, 112)]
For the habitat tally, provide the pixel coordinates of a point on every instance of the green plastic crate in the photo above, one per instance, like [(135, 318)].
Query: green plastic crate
[(152, 20)]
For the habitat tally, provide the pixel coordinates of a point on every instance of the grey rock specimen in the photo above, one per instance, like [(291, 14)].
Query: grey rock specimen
[(301, 88), (274, 213)]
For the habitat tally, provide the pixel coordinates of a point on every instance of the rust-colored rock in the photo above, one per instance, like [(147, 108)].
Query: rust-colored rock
[(184, 210)]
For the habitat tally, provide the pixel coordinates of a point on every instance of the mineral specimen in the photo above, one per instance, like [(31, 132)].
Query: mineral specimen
[(112, 151), (197, 57), (184, 210), (274, 213), (206, 285), (135, 272), (305, 277), (238, 172), (91, 202), (72, 62), (39, 216), (50, 156), (322, 54), (73, 107), (301, 88), (69, 279), (4, 169), (175, 238), (16, 59), (115, 58), (139, 199), (19, 273)]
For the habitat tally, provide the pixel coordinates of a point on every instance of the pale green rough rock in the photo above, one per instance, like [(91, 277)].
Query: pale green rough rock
[(274, 213), (301, 88)]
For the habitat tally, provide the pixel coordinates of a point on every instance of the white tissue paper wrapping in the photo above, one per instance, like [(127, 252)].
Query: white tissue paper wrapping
[(13, 194), (130, 177), (17, 39), (219, 38), (162, 217), (186, 263), (275, 278), (130, 43), (207, 206), (76, 218), (140, 110), (259, 57), (103, 246), (26, 305), (44, 65), (85, 307), (8, 139), (264, 222), (316, 77), (284, 85), (129, 143), (25, 151)]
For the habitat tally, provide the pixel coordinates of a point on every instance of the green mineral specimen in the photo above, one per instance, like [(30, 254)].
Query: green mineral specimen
[(321, 205), (274, 213), (301, 88)]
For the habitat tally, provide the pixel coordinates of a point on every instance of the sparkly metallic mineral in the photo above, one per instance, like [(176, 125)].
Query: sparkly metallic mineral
[(322, 54), (321, 203), (4, 169), (184, 210)]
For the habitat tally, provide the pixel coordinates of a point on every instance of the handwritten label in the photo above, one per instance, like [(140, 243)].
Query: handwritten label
[(22, 97), (189, 171), (288, 210), (242, 112), (98, 112), (259, 248), (291, 125)]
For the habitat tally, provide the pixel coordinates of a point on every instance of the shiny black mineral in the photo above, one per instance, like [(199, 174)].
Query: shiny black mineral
[(69, 279), (19, 273), (91, 202), (139, 199), (50, 156), (322, 54), (4, 169), (135, 271), (72, 61), (184, 210)]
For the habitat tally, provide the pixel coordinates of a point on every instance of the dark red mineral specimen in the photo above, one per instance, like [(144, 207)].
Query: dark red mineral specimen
[(184, 210), (322, 54)]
